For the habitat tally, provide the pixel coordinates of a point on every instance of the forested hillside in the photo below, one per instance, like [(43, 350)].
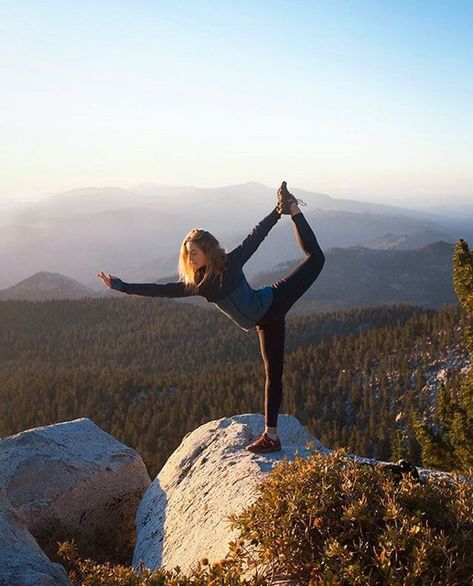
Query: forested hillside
[(148, 371)]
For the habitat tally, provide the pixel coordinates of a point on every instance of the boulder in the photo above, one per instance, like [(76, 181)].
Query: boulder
[(73, 480), (183, 515), (22, 562)]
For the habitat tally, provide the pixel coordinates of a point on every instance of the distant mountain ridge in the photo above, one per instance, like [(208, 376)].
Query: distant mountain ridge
[(352, 277), (358, 277), (404, 241), (136, 232), (44, 285)]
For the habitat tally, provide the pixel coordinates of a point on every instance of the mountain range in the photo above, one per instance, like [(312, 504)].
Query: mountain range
[(136, 233), (352, 277), (360, 277)]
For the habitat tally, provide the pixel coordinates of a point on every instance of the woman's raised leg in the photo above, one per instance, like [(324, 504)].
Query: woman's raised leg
[(289, 289)]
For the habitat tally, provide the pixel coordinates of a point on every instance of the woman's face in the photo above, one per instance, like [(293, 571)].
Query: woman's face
[(197, 257)]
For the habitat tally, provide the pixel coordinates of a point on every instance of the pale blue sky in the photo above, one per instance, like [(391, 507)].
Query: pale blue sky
[(365, 99)]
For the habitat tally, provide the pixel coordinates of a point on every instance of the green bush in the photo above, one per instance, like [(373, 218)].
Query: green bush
[(234, 570), (328, 520)]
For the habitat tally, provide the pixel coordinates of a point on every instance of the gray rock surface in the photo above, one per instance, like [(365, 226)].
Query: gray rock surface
[(22, 562), (72, 479), (183, 515)]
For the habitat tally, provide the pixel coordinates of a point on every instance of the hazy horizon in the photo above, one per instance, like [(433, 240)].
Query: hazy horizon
[(399, 200), (372, 103)]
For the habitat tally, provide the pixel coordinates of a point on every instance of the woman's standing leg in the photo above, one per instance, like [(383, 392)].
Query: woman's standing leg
[(271, 339)]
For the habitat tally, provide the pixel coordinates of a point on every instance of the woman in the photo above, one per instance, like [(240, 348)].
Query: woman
[(206, 269)]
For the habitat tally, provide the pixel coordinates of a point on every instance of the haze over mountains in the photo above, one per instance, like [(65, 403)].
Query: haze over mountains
[(352, 277), (136, 233)]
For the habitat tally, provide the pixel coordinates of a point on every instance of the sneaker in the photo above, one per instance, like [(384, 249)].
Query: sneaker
[(263, 443), (285, 199)]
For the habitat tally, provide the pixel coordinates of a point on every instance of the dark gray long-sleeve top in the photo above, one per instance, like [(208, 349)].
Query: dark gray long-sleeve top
[(230, 292)]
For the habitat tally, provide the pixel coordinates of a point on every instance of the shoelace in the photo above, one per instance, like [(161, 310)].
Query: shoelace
[(300, 202)]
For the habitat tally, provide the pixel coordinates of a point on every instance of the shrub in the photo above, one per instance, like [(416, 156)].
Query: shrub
[(328, 520), (229, 571)]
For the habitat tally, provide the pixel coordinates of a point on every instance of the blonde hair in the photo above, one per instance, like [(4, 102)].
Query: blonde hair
[(210, 246)]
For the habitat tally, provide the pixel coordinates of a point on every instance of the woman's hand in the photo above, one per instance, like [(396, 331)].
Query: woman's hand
[(283, 193), (107, 281)]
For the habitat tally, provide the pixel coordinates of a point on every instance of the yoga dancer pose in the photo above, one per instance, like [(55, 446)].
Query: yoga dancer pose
[(206, 269)]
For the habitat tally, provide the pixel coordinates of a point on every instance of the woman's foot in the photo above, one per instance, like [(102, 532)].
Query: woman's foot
[(263, 443), (286, 201)]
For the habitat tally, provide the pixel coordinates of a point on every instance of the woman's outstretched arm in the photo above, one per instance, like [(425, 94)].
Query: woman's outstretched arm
[(176, 289), (250, 244)]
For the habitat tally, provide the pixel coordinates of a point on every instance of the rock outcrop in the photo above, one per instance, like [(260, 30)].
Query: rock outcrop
[(72, 479), (22, 562), (183, 515)]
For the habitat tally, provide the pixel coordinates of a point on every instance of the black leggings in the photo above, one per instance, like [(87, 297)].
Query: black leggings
[(271, 327)]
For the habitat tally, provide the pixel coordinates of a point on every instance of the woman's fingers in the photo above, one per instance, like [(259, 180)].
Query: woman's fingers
[(106, 280)]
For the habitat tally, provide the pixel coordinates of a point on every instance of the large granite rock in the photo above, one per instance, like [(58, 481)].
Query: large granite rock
[(22, 562), (183, 515), (72, 479)]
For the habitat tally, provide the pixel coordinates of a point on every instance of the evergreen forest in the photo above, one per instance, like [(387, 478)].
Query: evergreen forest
[(148, 371)]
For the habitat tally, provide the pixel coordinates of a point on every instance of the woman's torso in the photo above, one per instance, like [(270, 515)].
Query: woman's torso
[(232, 294)]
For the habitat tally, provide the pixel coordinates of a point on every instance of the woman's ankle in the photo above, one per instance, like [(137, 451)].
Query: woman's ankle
[(295, 209), (271, 431)]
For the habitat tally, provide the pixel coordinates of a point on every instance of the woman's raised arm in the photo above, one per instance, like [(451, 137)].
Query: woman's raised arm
[(176, 289), (250, 244)]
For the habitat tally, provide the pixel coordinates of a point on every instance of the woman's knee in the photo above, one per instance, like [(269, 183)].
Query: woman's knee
[(274, 372)]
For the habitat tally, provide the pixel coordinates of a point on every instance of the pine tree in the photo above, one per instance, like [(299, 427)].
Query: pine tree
[(397, 446), (450, 447)]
